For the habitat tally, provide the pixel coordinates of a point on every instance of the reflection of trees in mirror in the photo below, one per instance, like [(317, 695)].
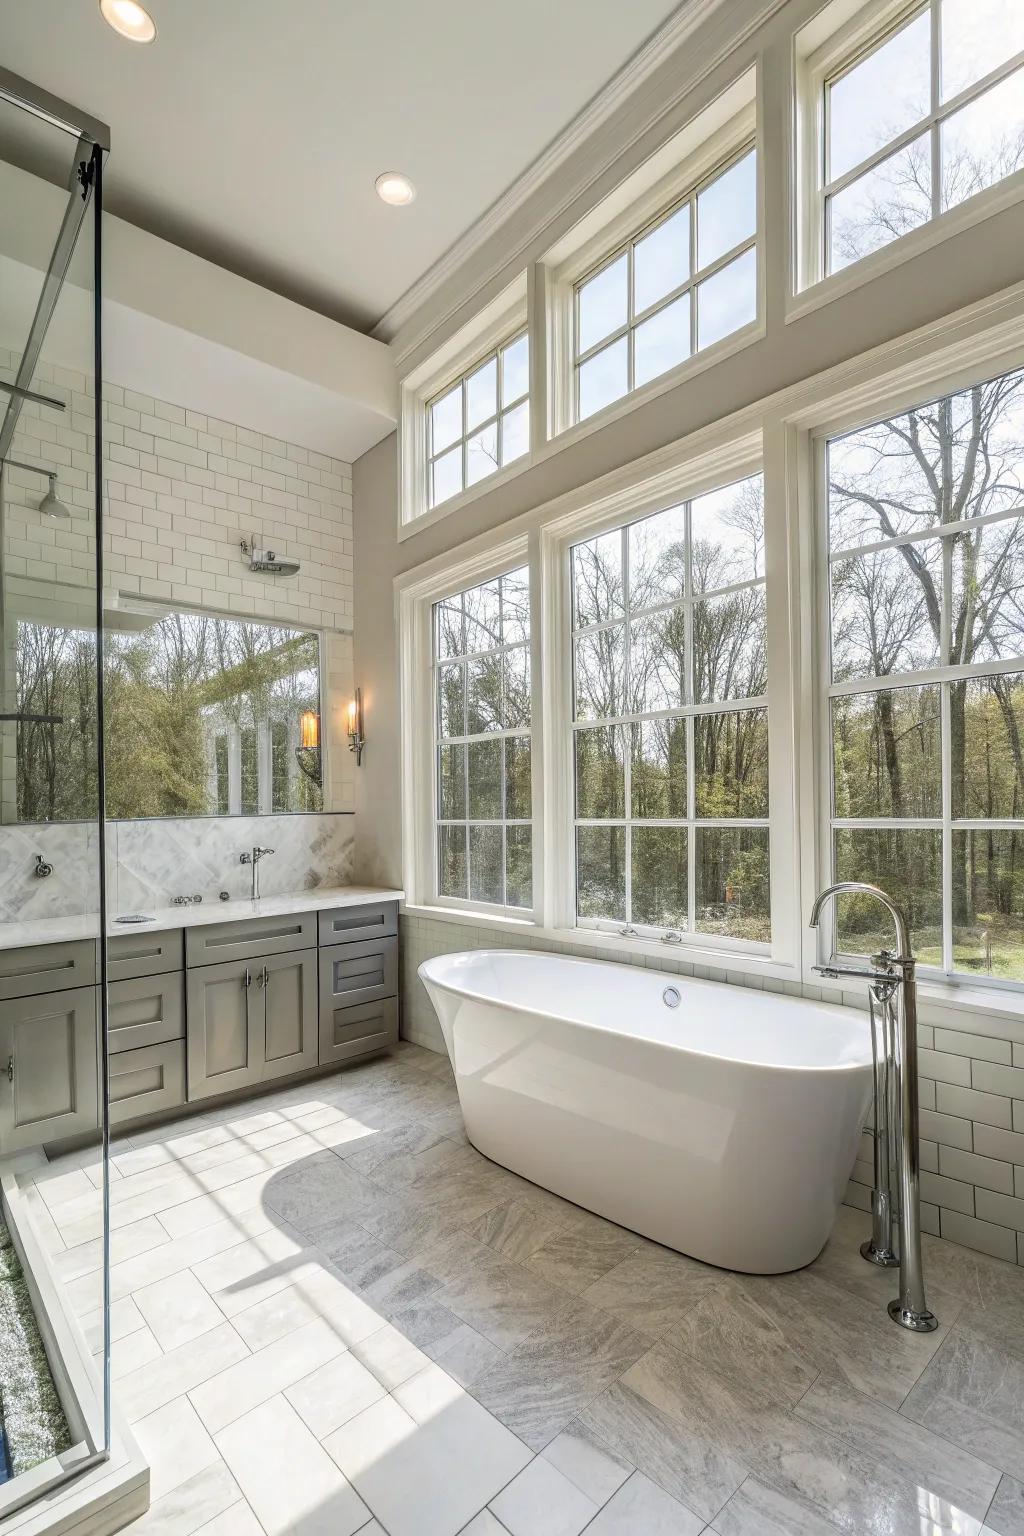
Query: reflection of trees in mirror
[(937, 495), (202, 718)]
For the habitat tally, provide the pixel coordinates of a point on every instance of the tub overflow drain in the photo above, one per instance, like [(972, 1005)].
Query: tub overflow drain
[(671, 997)]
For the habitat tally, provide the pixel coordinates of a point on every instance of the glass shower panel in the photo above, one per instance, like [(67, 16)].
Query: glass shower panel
[(54, 1424)]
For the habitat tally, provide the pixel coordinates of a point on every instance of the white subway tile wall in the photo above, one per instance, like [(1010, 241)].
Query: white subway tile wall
[(183, 489), (971, 1091)]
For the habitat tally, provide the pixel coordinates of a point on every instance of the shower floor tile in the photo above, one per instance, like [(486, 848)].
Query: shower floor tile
[(344, 1319)]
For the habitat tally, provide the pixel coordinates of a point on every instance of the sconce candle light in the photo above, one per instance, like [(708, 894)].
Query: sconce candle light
[(307, 753), (356, 739)]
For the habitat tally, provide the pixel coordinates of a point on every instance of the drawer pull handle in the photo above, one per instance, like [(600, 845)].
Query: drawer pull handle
[(10, 1070), (248, 978), (263, 979)]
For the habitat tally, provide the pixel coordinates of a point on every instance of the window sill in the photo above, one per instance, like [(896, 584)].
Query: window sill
[(699, 363), (727, 963), (824, 291), (465, 498)]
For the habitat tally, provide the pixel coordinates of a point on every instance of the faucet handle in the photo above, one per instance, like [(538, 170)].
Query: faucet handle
[(245, 858), (259, 853)]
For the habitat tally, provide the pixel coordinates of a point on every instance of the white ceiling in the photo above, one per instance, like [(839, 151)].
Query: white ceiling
[(251, 131)]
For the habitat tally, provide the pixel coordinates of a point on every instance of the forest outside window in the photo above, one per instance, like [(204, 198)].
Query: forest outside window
[(670, 727), (479, 424), (926, 700), (917, 119), (208, 713), (483, 779), (686, 280)]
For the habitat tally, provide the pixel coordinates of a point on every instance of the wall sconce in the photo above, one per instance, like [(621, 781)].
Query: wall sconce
[(356, 739), (307, 753)]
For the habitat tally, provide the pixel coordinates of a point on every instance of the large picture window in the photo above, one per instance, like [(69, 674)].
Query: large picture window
[(921, 117), (926, 698), (483, 823), (670, 727), (683, 282)]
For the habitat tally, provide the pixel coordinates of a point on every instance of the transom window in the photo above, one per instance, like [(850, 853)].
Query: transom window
[(484, 836), (926, 700), (480, 424), (684, 282), (670, 725), (927, 114)]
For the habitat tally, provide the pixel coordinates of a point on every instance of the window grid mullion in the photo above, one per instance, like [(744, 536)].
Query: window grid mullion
[(690, 696), (947, 841), (627, 739)]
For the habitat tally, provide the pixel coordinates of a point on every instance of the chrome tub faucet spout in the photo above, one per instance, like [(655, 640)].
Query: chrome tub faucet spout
[(892, 995), (253, 858)]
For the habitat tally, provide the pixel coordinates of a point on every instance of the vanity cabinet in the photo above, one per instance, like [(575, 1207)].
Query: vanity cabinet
[(250, 1021), (48, 1067), (146, 1037)]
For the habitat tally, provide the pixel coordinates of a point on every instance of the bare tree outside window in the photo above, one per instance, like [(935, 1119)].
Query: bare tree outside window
[(670, 733), (926, 541)]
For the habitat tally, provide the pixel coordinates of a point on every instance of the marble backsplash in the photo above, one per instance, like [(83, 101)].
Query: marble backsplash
[(150, 862)]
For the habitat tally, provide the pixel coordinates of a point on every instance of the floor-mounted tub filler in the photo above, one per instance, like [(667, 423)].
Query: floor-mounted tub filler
[(716, 1120)]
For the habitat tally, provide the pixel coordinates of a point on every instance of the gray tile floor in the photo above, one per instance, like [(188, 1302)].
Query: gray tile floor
[(332, 1315)]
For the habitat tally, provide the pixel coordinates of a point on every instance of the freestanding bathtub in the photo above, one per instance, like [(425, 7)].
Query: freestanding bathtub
[(717, 1120)]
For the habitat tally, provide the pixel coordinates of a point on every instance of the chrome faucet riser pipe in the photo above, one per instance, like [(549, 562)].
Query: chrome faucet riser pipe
[(909, 1309)]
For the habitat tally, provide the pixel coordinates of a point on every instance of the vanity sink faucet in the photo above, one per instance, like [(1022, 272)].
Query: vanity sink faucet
[(253, 858)]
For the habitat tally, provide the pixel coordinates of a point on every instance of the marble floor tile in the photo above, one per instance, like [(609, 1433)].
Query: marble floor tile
[(239, 1520), (317, 1191), (543, 1384), (641, 1506), (335, 1393), (840, 1262), (386, 1151), (540, 1501), (575, 1258), (427, 1458), (322, 1293), (973, 1393), (191, 1505), (653, 1290), (504, 1301), (830, 1329), (689, 1462), (178, 1309), (515, 1230), (257, 1378), (483, 1524), (587, 1462), (468, 1357), (943, 1472), (176, 1445), (730, 1332), (153, 1384), (758, 1510), (382, 1276), (292, 1485), (441, 1244), (1006, 1512), (126, 1355), (433, 1327), (390, 1356)]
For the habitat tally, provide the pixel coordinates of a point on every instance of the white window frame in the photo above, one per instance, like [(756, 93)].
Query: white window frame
[(523, 912), (722, 133), (496, 419), (835, 40), (689, 713), (495, 325)]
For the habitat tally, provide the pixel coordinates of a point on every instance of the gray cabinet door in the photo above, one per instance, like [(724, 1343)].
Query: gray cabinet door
[(289, 993), (358, 973), (144, 953), (147, 1081), (225, 1028), (348, 1032), (348, 925), (252, 938), (148, 1010), (48, 1068), (47, 968)]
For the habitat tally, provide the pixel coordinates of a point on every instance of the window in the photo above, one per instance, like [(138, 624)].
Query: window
[(916, 120), (926, 699), (480, 424), (670, 726), (206, 711), (483, 789), (685, 281)]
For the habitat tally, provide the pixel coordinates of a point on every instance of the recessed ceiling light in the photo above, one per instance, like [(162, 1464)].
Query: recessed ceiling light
[(393, 187), (129, 19)]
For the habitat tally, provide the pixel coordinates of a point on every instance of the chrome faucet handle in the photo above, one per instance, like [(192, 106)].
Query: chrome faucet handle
[(259, 853), (245, 858)]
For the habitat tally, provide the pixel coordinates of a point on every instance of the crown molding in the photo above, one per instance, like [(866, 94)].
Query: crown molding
[(625, 87)]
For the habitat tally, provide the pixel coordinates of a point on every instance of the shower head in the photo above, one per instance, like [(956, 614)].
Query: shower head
[(51, 505)]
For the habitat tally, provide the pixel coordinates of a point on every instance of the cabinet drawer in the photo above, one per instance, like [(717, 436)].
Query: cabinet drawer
[(358, 973), (149, 1010), (47, 968), (143, 954), (147, 1081), (352, 1031), (251, 939), (345, 925)]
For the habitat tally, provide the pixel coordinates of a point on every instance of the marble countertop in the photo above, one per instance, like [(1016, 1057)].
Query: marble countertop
[(57, 930)]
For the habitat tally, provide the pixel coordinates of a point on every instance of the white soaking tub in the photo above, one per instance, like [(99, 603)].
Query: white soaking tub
[(725, 1126)]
